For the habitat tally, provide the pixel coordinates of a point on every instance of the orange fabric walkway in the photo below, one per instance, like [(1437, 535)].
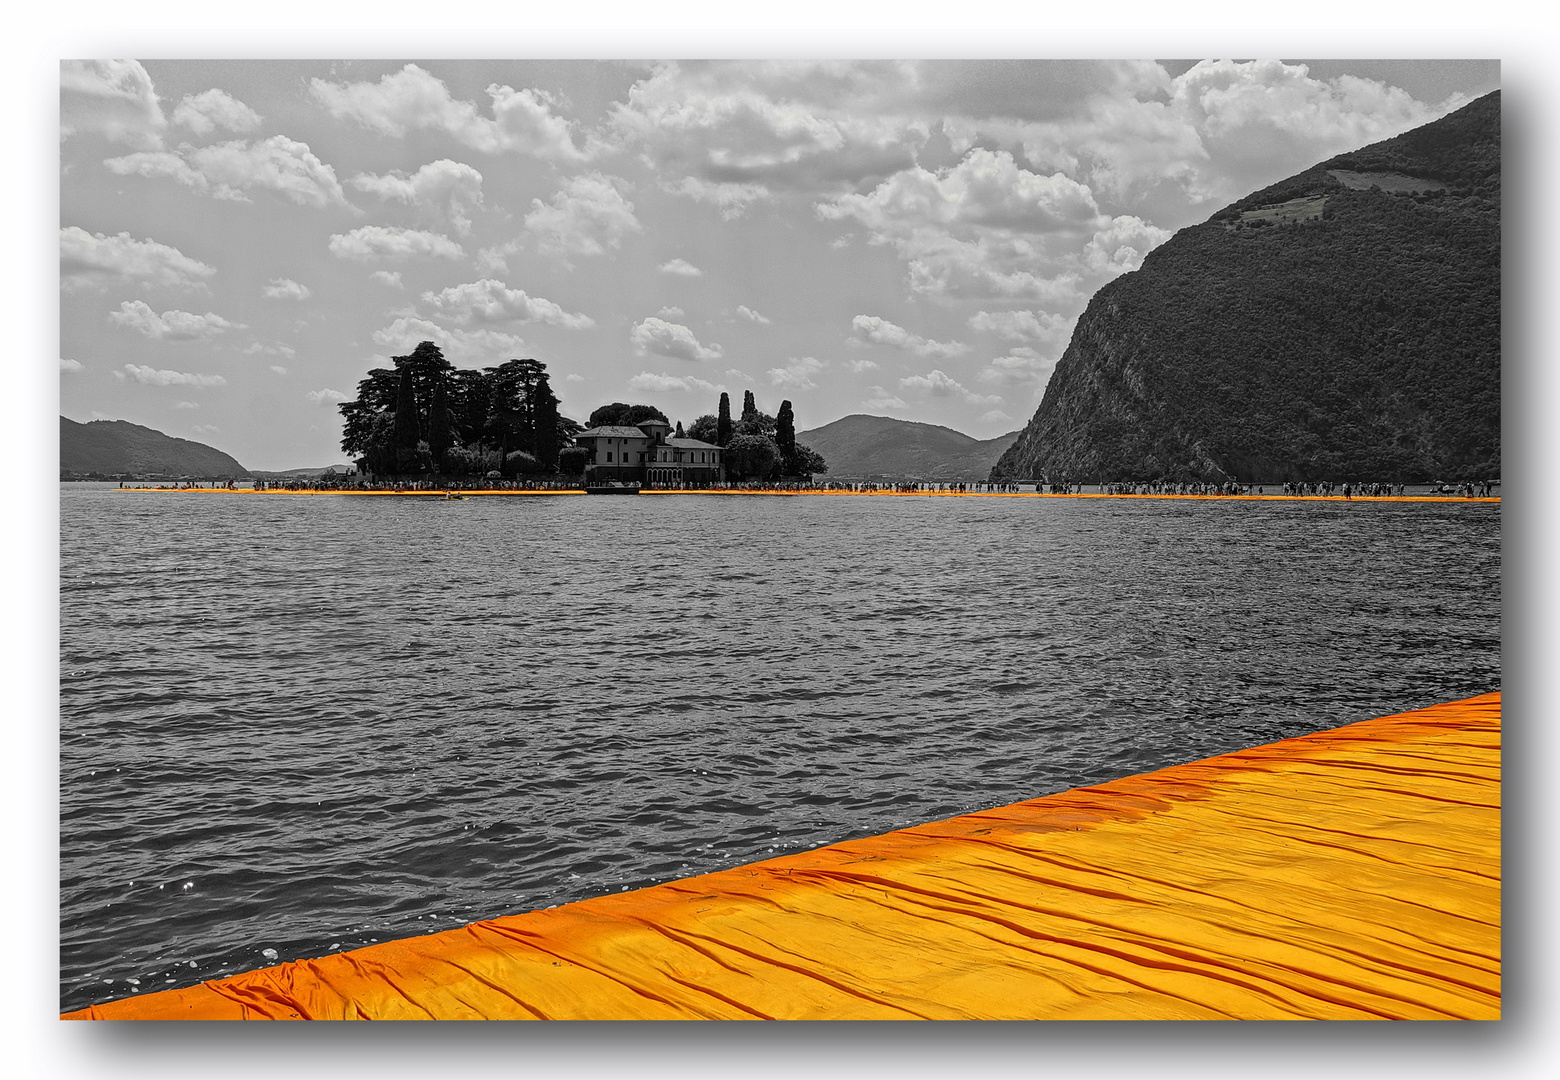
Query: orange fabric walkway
[(1351, 874)]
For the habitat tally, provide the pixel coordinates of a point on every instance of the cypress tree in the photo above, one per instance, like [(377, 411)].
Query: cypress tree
[(749, 407), (723, 421), (785, 433), (544, 415), (406, 433), (679, 430), (441, 427)]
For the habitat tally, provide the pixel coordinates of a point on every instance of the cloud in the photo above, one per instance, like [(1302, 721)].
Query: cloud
[(670, 312), (670, 339), (680, 268), (489, 301), (278, 369), (880, 398), (112, 98), (1120, 246), (869, 329), (858, 365), (285, 289), (751, 316), (97, 259), (392, 278), (170, 325), (939, 384), (662, 383), (186, 405), (205, 429), (1020, 367), (741, 375), (413, 99), (732, 200), (69, 365), (228, 170), (444, 191), (993, 416), (204, 113), (154, 377), (586, 216), (797, 373), (1024, 326), (479, 347), (326, 397), (274, 348), (371, 242), (574, 376)]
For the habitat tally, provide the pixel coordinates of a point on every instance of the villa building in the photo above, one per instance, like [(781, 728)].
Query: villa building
[(647, 454)]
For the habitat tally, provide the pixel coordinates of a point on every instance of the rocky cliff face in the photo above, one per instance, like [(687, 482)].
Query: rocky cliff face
[(1344, 323)]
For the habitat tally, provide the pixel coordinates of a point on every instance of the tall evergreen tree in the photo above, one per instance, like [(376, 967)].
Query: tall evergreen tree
[(680, 430), (723, 421), (407, 432), (749, 407), (785, 433), (544, 418), (441, 426)]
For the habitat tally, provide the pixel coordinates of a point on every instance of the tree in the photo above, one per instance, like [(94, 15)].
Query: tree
[(723, 422), (441, 429), (544, 413), (752, 457), (407, 432), (706, 429), (749, 407), (807, 462), (785, 432), (572, 460), (619, 414), (679, 430)]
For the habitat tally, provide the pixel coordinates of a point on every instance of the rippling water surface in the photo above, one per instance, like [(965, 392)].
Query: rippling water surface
[(296, 724)]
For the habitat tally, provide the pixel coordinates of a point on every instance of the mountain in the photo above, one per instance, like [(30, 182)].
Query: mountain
[(110, 447), (861, 445), (1344, 323)]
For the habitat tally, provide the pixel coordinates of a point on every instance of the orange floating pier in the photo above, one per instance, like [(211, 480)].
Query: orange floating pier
[(1353, 874)]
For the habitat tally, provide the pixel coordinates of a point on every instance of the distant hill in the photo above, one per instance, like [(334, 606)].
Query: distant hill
[(861, 445), (1341, 324), (111, 447)]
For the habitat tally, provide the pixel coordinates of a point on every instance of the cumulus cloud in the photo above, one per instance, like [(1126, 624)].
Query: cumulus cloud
[(272, 348), (741, 376), (443, 191), (326, 397), (98, 259), (375, 242), (490, 301), (1024, 326), (186, 405), (879, 398), (752, 316), (206, 112), (587, 216), (680, 268), (278, 369), (994, 416), (670, 312), (664, 338), (460, 346), (229, 170), (112, 98), (162, 377), (648, 381), (1120, 246), (69, 365), (413, 99), (285, 289), (870, 329), (797, 373), (939, 384), (392, 278), (859, 364), (1022, 366), (170, 325), (732, 200)]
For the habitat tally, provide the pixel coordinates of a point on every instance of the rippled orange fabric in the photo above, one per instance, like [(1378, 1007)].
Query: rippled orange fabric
[(1349, 875)]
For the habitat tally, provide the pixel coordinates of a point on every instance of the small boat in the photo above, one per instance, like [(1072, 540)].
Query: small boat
[(450, 496)]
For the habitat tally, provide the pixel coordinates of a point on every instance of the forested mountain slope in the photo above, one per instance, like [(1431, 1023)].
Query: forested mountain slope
[(862, 445), (1343, 323), (111, 447)]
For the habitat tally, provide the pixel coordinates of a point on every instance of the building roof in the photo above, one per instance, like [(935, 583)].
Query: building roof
[(612, 431), (691, 444)]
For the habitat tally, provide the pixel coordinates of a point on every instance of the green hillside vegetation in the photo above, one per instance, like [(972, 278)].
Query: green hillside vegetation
[(1316, 329), (118, 448), (861, 445)]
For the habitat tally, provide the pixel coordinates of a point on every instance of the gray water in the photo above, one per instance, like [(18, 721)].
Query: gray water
[(296, 724)]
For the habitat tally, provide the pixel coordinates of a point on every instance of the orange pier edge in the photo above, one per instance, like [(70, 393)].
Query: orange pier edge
[(1352, 874)]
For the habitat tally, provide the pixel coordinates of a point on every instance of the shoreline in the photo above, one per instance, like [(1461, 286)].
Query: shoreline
[(1353, 873), (440, 493)]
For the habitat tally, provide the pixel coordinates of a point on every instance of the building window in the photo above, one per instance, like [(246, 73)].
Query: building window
[(609, 455)]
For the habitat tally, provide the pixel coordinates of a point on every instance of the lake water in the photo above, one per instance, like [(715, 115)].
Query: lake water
[(296, 724)]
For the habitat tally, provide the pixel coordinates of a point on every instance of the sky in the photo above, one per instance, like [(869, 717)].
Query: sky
[(241, 241)]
